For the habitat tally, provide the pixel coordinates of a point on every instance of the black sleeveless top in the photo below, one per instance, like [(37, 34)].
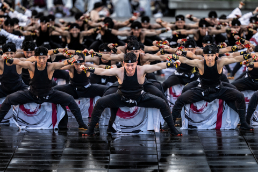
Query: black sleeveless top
[(130, 88), (40, 84), (179, 36), (210, 77), (185, 68), (231, 39), (253, 73), (199, 41), (43, 37), (79, 79), (26, 76), (75, 43), (10, 79)]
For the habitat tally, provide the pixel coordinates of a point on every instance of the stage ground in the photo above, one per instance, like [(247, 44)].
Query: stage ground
[(198, 151)]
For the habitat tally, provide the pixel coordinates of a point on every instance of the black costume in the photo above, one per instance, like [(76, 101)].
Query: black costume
[(130, 94), (211, 88), (41, 91)]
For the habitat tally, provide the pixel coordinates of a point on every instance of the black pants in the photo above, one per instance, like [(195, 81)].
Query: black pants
[(177, 79), (228, 68), (241, 76), (90, 92), (246, 83), (56, 97), (5, 91), (236, 68), (225, 93), (147, 86), (146, 100), (252, 106), (196, 83), (224, 78), (62, 74)]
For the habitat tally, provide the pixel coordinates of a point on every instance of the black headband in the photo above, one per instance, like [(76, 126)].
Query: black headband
[(210, 52), (41, 53), (9, 50), (130, 61), (28, 49), (80, 61)]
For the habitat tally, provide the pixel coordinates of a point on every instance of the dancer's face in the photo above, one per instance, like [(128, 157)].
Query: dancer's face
[(130, 68), (74, 32), (180, 24), (41, 60), (10, 54), (210, 59), (28, 54)]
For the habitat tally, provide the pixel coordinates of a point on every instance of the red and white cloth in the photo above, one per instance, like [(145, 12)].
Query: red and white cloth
[(35, 116), (213, 115), (137, 119), (204, 115)]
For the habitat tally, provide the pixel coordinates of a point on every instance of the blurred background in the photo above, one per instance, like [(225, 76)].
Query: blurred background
[(125, 8)]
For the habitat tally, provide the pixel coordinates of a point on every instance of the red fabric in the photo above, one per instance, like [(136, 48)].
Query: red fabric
[(172, 93), (91, 107), (219, 115), (54, 114), (246, 100), (28, 112), (126, 115), (195, 110)]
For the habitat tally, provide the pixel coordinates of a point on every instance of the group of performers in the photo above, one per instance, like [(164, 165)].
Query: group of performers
[(88, 54)]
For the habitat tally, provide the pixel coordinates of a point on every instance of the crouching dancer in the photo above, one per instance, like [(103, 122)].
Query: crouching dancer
[(40, 91), (210, 87), (130, 91)]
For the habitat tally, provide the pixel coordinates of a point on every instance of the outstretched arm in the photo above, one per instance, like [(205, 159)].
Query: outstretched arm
[(159, 66)]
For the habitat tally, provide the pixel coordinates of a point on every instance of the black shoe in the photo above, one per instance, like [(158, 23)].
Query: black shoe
[(88, 133), (83, 127), (175, 132), (62, 129), (164, 127), (245, 126), (111, 130)]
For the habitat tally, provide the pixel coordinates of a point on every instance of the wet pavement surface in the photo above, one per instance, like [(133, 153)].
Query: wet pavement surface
[(61, 151)]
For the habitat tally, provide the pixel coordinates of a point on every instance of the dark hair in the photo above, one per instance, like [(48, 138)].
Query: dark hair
[(97, 5), (180, 17), (145, 19), (109, 21), (78, 15), (133, 45), (81, 55), (9, 47), (210, 49), (2, 40), (28, 46), (235, 22), (208, 39), (34, 13), (219, 38), (203, 23), (136, 25), (40, 50), (141, 46), (131, 38), (8, 22), (253, 19), (223, 16), (51, 17), (130, 58), (44, 19), (15, 20), (104, 47), (73, 25), (212, 14), (190, 43)]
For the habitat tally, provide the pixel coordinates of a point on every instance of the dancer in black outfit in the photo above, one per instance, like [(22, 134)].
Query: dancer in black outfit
[(11, 80), (210, 88), (131, 78), (41, 73)]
